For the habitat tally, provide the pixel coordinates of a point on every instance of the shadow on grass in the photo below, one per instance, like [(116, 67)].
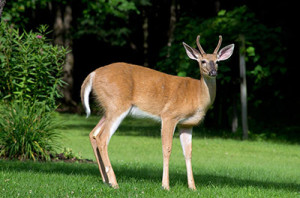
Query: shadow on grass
[(130, 126), (140, 173), (149, 128), (134, 127), (200, 179)]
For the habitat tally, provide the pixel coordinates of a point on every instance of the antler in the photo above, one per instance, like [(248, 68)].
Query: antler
[(219, 45), (199, 46)]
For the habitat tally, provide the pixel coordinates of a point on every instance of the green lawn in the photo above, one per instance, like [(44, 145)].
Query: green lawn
[(222, 168)]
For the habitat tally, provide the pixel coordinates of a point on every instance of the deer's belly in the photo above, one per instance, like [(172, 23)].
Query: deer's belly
[(194, 119), (138, 113)]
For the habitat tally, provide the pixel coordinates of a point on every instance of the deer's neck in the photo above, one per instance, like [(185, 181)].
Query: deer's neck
[(208, 88)]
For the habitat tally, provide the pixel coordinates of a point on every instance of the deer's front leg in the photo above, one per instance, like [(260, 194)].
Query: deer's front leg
[(185, 135), (167, 131), (102, 141)]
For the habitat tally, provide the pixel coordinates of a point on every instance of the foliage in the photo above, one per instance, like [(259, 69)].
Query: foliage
[(31, 74), (69, 154), (108, 20), (30, 67), (27, 131), (16, 11)]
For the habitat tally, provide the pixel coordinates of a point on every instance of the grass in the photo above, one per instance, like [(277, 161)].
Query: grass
[(222, 168)]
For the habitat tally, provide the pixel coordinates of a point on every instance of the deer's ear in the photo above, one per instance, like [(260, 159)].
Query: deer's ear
[(191, 52), (225, 52)]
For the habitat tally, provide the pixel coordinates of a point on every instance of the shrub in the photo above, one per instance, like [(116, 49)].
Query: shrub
[(27, 131), (31, 71), (31, 68)]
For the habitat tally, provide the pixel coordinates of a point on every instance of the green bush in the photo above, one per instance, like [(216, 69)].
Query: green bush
[(27, 131), (31, 71), (31, 68)]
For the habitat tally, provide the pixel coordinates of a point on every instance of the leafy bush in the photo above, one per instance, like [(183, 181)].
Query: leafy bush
[(31, 71), (27, 131), (30, 67)]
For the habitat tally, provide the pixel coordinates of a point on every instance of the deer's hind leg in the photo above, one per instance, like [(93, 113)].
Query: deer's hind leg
[(112, 122), (92, 136)]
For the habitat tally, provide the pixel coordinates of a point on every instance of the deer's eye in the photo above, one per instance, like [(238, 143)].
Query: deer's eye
[(203, 62)]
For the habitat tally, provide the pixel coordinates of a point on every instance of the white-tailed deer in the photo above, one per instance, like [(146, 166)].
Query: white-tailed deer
[(124, 89)]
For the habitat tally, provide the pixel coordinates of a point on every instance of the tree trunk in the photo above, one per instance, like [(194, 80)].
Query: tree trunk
[(2, 4), (243, 86), (58, 27), (217, 6), (172, 25), (234, 121), (62, 37), (146, 34)]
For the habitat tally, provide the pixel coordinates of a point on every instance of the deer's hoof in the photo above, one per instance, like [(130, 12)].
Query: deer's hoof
[(114, 186), (165, 187)]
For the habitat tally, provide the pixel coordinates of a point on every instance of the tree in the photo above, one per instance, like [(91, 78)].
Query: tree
[(62, 36), (108, 20), (172, 25), (243, 86)]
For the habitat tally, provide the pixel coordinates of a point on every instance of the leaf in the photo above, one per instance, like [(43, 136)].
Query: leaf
[(221, 12), (250, 51), (283, 70), (182, 74)]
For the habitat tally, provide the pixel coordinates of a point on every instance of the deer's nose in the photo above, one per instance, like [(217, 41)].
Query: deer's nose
[(213, 73)]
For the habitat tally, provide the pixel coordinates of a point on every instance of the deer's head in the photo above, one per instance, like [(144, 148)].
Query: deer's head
[(208, 63)]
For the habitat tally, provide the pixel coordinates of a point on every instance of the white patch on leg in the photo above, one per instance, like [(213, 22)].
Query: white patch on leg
[(165, 174), (185, 138), (116, 123), (97, 131), (106, 169)]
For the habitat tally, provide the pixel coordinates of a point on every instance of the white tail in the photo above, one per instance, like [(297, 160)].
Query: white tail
[(85, 93), (124, 89)]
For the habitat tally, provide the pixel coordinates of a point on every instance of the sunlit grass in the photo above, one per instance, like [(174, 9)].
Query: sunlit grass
[(222, 168)]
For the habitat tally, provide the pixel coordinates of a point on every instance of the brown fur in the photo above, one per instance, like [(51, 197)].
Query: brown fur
[(121, 85)]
